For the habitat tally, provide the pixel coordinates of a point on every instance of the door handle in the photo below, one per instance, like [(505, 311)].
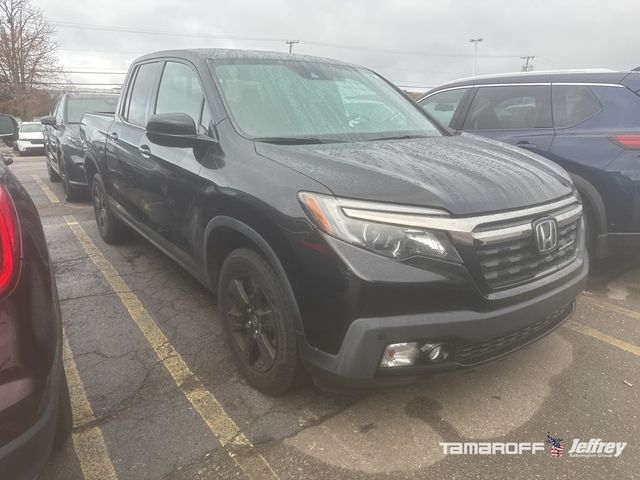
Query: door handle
[(525, 144), (144, 150), (113, 136)]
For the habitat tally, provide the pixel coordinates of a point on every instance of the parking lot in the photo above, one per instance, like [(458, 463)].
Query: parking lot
[(156, 394)]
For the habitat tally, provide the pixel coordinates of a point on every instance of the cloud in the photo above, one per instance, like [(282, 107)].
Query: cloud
[(433, 36)]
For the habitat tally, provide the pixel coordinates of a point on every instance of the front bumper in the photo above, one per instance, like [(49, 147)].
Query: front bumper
[(28, 146), (26, 455), (499, 332)]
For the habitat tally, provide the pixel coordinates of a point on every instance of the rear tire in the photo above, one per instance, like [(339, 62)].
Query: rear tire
[(111, 228), (259, 321)]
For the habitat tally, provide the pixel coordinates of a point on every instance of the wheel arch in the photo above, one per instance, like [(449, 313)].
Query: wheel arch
[(224, 234), (590, 195), (90, 168)]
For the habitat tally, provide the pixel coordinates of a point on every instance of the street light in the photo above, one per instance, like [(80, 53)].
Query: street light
[(475, 42)]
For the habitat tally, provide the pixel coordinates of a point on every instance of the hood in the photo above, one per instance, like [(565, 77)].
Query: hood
[(462, 174)]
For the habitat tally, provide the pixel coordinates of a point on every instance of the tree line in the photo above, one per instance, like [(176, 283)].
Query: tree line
[(27, 59)]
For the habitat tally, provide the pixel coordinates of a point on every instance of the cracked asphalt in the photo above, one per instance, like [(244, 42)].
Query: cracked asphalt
[(581, 381)]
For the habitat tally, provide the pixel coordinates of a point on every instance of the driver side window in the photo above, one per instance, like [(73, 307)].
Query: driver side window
[(180, 92)]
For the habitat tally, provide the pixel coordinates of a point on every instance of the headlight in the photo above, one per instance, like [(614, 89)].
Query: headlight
[(332, 216)]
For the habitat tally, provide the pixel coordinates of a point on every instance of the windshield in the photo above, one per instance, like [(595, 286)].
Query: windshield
[(281, 99), (77, 107), (31, 127)]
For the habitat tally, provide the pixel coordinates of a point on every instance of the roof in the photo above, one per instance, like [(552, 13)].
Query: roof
[(225, 53), (582, 76)]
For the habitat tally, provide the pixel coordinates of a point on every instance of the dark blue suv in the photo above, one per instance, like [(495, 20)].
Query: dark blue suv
[(588, 122)]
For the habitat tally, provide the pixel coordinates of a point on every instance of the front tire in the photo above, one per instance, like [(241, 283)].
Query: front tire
[(53, 176), (111, 228), (259, 322)]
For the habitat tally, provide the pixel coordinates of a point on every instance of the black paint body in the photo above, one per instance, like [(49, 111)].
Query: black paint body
[(197, 204)]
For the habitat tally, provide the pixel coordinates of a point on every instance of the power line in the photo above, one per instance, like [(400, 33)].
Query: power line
[(113, 28)]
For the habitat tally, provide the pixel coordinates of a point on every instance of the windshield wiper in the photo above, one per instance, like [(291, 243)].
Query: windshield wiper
[(399, 137), (295, 140)]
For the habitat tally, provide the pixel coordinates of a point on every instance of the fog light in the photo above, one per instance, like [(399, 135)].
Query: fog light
[(436, 352), (400, 355)]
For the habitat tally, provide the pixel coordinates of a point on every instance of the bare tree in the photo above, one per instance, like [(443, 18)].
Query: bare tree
[(27, 53)]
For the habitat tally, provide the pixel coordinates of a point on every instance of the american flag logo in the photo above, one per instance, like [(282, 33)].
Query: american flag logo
[(556, 445)]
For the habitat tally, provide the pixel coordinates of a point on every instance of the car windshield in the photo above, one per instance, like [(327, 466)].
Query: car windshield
[(77, 107), (314, 102), (31, 127)]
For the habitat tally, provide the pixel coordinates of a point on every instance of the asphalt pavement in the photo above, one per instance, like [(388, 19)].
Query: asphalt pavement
[(156, 394)]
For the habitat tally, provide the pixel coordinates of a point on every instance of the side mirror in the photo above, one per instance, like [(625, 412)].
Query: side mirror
[(8, 128), (174, 130), (49, 120)]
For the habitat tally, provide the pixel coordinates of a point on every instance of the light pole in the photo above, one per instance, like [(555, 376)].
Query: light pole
[(475, 42)]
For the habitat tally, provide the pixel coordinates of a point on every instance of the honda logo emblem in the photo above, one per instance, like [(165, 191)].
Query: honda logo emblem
[(546, 234)]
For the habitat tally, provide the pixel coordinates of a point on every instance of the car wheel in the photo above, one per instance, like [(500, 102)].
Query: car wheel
[(64, 423), (258, 319), (111, 228)]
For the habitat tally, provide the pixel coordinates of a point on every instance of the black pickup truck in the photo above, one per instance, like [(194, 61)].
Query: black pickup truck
[(344, 233)]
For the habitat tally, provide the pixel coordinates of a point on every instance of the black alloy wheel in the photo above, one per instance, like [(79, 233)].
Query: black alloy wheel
[(252, 322)]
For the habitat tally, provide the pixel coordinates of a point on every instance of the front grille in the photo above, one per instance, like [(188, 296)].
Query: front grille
[(473, 353), (37, 141), (507, 255), (513, 262)]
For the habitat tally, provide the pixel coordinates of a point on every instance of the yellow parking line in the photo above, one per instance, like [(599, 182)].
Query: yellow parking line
[(603, 337), (53, 198), (219, 422), (88, 442), (609, 306)]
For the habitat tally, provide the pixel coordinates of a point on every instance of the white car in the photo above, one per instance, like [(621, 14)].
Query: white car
[(30, 138)]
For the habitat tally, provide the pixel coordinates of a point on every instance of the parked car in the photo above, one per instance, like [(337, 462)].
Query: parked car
[(8, 124), (63, 150), (30, 138), (35, 411), (587, 122), (366, 249)]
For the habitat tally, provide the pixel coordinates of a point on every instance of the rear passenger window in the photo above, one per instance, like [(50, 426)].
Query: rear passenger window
[(141, 93), (180, 91), (443, 105), (519, 107), (573, 104)]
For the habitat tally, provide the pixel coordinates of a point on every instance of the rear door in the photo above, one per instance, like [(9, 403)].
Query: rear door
[(130, 168), (590, 120), (516, 114)]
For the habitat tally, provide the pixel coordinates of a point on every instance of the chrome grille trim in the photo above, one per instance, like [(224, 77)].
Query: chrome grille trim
[(449, 224), (524, 230)]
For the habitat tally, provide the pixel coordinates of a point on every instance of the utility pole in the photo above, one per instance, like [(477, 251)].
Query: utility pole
[(475, 42), (291, 43), (527, 66)]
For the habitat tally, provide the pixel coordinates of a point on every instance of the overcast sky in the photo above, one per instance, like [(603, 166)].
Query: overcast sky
[(426, 41)]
